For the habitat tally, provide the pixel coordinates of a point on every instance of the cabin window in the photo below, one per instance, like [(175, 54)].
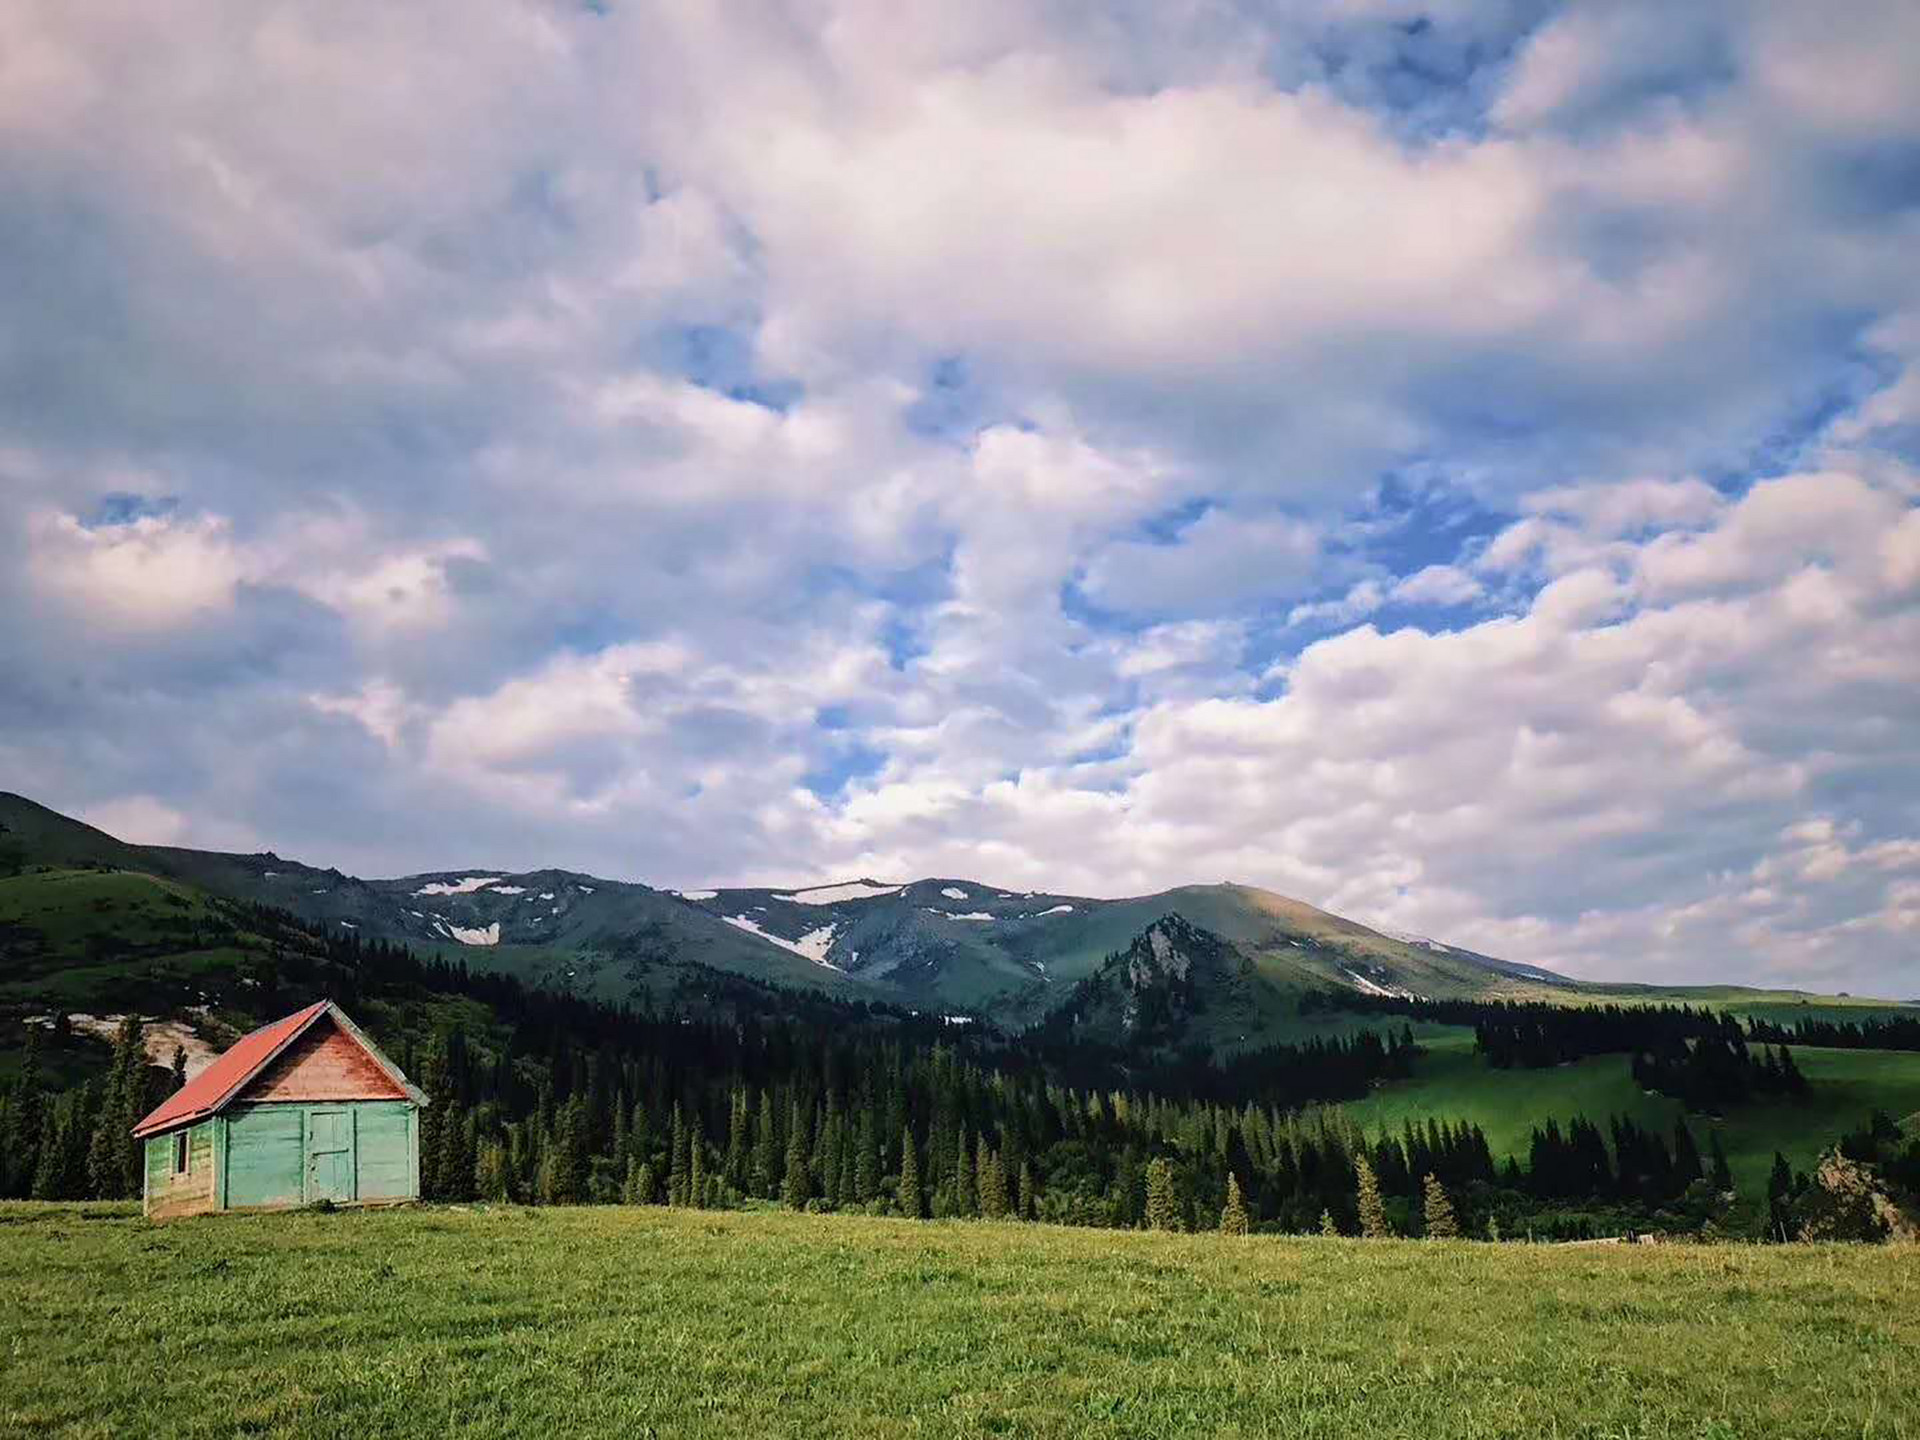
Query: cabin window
[(180, 1152)]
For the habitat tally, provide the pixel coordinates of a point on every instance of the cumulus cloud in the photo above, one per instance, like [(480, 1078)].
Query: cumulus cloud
[(1451, 462)]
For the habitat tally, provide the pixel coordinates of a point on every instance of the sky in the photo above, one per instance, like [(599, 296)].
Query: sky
[(1455, 463)]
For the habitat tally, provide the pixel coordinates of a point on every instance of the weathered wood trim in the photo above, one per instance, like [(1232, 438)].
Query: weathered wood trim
[(219, 1162)]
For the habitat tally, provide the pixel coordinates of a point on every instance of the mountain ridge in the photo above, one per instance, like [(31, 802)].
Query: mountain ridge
[(942, 943)]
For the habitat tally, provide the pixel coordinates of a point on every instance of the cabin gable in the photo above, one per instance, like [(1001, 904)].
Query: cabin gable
[(325, 1063)]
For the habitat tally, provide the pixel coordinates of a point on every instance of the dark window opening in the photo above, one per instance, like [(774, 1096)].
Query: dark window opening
[(180, 1152)]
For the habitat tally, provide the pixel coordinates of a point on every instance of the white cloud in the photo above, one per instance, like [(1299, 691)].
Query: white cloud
[(724, 438), (148, 573), (1438, 585)]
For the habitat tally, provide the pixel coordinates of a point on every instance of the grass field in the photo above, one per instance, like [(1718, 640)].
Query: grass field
[(1451, 1082), (656, 1322)]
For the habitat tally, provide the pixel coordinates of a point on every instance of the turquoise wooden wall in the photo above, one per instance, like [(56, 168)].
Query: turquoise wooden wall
[(349, 1152)]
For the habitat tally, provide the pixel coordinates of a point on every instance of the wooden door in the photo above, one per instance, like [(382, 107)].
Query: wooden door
[(329, 1155)]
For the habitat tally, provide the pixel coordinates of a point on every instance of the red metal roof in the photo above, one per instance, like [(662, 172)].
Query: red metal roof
[(215, 1085)]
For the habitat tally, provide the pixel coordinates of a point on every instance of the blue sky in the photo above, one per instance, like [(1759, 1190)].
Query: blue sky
[(1451, 462)]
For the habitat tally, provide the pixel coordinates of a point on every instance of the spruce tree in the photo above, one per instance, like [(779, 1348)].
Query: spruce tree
[(21, 1137), (739, 1137), (797, 1187), (965, 1197), (1720, 1172), (677, 1163), (764, 1177), (993, 1183), (1686, 1156), (912, 1203), (1233, 1215), (1163, 1203), (696, 1173), (1029, 1201), (568, 1154), (1373, 1214), (1441, 1224), (1780, 1200), (831, 1157), (113, 1170), (866, 1174)]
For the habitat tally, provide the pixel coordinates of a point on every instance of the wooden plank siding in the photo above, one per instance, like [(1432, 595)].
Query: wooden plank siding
[(193, 1193), (323, 1064)]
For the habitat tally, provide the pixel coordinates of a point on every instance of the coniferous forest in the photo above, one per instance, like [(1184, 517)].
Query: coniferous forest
[(764, 1096)]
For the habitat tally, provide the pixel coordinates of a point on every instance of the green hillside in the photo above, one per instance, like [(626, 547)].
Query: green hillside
[(1450, 1082)]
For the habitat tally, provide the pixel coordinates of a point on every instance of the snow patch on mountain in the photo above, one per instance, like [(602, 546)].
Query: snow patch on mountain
[(698, 894), (834, 894), (1372, 988), (459, 887), (954, 892), (488, 936), (812, 946)]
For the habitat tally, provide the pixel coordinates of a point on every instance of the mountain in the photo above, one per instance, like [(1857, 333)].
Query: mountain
[(948, 945), (1015, 955), (1172, 981)]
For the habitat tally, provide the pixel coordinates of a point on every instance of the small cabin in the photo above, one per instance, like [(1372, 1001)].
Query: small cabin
[(303, 1110)]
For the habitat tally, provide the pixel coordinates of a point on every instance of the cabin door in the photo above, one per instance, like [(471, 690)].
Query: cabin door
[(329, 1155)]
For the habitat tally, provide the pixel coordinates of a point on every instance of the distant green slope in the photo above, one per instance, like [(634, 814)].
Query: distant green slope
[(1451, 1082)]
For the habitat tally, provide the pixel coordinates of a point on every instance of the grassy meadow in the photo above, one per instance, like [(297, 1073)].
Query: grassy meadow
[(509, 1322)]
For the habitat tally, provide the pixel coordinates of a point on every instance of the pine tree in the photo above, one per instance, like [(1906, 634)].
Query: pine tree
[(22, 1134), (179, 1069), (1029, 1201), (739, 1137), (1327, 1227), (490, 1170), (1373, 1214), (764, 1176), (993, 1183), (831, 1156), (1233, 1216), (797, 1188), (1163, 1203), (49, 1181), (568, 1155), (1441, 1224), (639, 1187), (866, 1175), (1720, 1172), (696, 1173), (966, 1186), (113, 1156), (912, 1203), (677, 1164), (1686, 1156), (1780, 1200)]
